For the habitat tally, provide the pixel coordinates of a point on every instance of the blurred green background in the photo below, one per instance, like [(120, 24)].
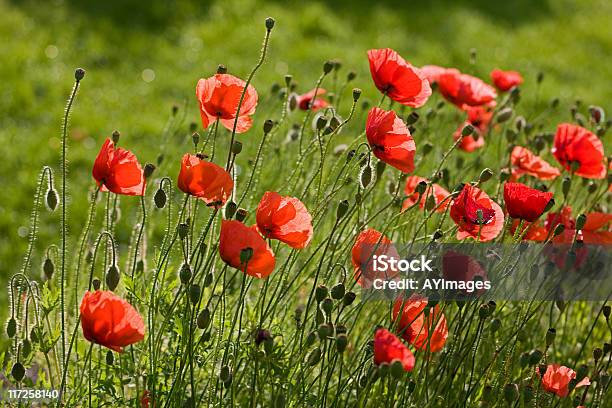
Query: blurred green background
[(144, 57)]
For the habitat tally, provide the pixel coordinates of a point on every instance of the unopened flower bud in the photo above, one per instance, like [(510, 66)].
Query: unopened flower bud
[(426, 148), (160, 198), (185, 273), (349, 298), (314, 357), (511, 392), (535, 356), (566, 185), (194, 293), (48, 268), (203, 319), (597, 354), (337, 291), (328, 66), (351, 75), (110, 358), (467, 130), (550, 336), (51, 199), (18, 370), (606, 311), (341, 343), (96, 283), (504, 115), (236, 147), (327, 305), (485, 175), (268, 125), (225, 374), (558, 230), (483, 311), (230, 209), (321, 122), (11, 327), (495, 325), (241, 214), (580, 221), (245, 255), (342, 209), (437, 235), (321, 293), (112, 277), (183, 230), (270, 23), (540, 77), (148, 170)]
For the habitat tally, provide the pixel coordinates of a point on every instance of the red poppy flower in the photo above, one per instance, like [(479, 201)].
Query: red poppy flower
[(284, 218), (397, 79), (596, 229), (219, 97), (390, 139), (370, 243), (425, 332), (505, 80), (204, 180), (480, 118), (464, 212), (388, 348), (459, 267), (236, 237), (110, 321), (433, 72), (524, 202), (117, 170), (575, 144), (525, 162), (438, 192), (465, 90), (530, 231), (305, 100), (556, 379)]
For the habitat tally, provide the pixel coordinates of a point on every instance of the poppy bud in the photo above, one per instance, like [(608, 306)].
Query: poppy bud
[(349, 298), (607, 347), (483, 311), (597, 113), (115, 136), (241, 214), (236, 147), (327, 305), (342, 209), (314, 357), (11, 327), (321, 122), (580, 221), (148, 170), (341, 343), (606, 311), (51, 199), (293, 102), (437, 235), (411, 386), (195, 137), (430, 203), (426, 149), (351, 75), (208, 279), (356, 94), (310, 339), (487, 393), (48, 268), (270, 23), (96, 283), (495, 325), (328, 66), (504, 115), (485, 175), (18, 371), (288, 79), (160, 198), (185, 273), (511, 392), (267, 127), (467, 130), (112, 277), (550, 336), (510, 135), (321, 293), (566, 185), (221, 69), (412, 118), (535, 356), (592, 187), (324, 331), (160, 159), (230, 210), (597, 354), (79, 74), (540, 77), (421, 187), (194, 293), (183, 230), (558, 230), (225, 375), (524, 359), (527, 393), (203, 319), (337, 291)]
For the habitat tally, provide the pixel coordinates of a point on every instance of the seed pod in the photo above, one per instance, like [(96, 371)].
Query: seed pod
[(96, 283), (606, 311), (327, 305), (356, 94), (112, 277), (203, 319), (185, 273), (110, 358), (194, 293), (160, 198), (18, 371), (314, 357), (51, 199), (48, 268), (337, 291)]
